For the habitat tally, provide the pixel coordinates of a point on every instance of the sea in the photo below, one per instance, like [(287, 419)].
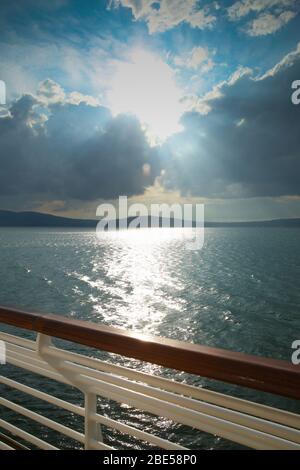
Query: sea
[(240, 291)]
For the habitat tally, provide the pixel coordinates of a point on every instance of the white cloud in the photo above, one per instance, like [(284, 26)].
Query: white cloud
[(202, 105), (286, 62), (271, 15), (26, 61), (49, 93), (166, 14), (267, 23), (77, 98), (243, 7), (197, 58), (246, 146)]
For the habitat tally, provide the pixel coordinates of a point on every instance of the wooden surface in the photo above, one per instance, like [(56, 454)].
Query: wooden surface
[(269, 375)]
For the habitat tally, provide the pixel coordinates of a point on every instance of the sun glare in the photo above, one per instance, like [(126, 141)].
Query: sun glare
[(146, 87)]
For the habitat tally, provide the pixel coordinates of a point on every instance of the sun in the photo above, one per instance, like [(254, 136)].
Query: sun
[(144, 85)]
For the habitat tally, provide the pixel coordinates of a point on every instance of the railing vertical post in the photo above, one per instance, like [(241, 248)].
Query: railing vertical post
[(92, 429)]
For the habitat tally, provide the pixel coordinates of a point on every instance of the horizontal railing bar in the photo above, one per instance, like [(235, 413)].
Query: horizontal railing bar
[(77, 436), (29, 355), (217, 411), (212, 410), (96, 445), (84, 371), (12, 442), (4, 446), (101, 419), (194, 419), (43, 396), (26, 436), (36, 370), (17, 340), (219, 399), (79, 410), (259, 411), (131, 431), (43, 367), (269, 375)]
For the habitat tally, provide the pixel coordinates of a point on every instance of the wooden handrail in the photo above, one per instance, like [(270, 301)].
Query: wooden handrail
[(269, 375)]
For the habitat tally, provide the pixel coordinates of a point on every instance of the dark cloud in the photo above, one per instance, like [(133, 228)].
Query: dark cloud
[(247, 145), (59, 146), (72, 151)]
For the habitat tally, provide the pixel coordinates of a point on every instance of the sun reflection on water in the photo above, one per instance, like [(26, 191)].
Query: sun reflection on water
[(136, 268)]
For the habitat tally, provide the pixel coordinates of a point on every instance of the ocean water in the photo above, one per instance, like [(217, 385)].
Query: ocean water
[(241, 292)]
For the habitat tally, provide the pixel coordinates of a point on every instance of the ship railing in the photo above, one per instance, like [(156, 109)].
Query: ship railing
[(242, 421)]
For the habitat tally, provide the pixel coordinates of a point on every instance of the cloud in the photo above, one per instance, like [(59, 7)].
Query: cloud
[(50, 92), (246, 145), (162, 15), (240, 140), (242, 8), (197, 58), (202, 105), (271, 15), (268, 23), (288, 61), (56, 148), (78, 62)]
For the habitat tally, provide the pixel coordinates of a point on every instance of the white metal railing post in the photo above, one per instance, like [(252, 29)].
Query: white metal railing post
[(92, 429), (43, 343)]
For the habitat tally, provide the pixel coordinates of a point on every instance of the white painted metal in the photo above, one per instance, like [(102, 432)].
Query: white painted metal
[(232, 403), (142, 435), (26, 343), (253, 425), (43, 396), (26, 436), (212, 410), (77, 436), (4, 446), (237, 404), (92, 429)]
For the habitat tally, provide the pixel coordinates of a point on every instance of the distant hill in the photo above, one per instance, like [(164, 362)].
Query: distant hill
[(36, 219), (259, 223)]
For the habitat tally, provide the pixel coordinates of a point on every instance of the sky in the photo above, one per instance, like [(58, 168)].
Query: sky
[(162, 101)]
